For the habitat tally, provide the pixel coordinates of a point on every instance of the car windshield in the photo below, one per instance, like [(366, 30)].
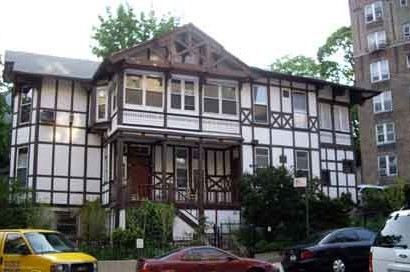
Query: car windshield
[(49, 242), (395, 233)]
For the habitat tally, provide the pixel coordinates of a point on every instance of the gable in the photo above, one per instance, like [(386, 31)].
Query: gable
[(186, 47)]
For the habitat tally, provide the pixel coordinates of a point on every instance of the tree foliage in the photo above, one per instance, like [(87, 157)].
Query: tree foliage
[(92, 217), (4, 121), (126, 28), (299, 65)]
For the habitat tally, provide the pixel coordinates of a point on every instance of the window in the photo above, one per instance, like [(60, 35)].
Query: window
[(325, 177), (262, 157), (365, 235), (22, 165), (206, 254), (348, 166), (341, 116), (403, 3), (300, 110), (325, 116), (406, 31), (395, 233), (385, 133), (25, 105), (182, 94), (101, 103), (260, 101), (383, 102), (408, 61), (350, 236), (380, 71), (182, 167), (376, 40), (373, 12), (114, 96), (144, 90), (302, 164), (15, 244), (387, 165), (220, 98)]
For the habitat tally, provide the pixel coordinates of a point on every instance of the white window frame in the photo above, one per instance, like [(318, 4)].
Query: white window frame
[(144, 75), (300, 113), (403, 3), (296, 162), (379, 38), (265, 149), (373, 12), (114, 96), (186, 167), (382, 99), (325, 111), (377, 67), (265, 103), (183, 79), (18, 166), (384, 126), (341, 118), (97, 103), (387, 170), (30, 94), (406, 31), (221, 83)]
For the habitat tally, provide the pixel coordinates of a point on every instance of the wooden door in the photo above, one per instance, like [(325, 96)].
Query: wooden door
[(139, 178)]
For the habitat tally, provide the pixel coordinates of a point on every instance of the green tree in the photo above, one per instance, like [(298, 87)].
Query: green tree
[(299, 65), (92, 217), (127, 28), (5, 111)]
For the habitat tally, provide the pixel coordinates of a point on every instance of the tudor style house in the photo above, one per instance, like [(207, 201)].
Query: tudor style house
[(176, 119)]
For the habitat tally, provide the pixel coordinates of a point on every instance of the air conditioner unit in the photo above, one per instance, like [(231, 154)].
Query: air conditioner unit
[(47, 116)]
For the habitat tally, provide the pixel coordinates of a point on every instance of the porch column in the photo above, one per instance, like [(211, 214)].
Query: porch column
[(165, 192), (201, 187), (118, 181)]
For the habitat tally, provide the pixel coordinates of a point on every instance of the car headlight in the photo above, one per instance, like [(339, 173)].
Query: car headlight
[(59, 268), (95, 267)]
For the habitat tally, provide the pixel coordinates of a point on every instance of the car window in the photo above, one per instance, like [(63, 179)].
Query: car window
[(395, 233), (15, 244), (333, 238), (205, 254), (365, 235), (349, 236)]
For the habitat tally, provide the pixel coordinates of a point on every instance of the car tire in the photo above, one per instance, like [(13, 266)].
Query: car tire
[(338, 265)]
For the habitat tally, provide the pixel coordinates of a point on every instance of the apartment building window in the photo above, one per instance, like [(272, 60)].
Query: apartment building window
[(403, 3), (183, 94), (260, 101), (182, 167), (376, 40), (25, 105), (300, 109), (383, 102), (406, 31), (220, 98), (385, 133), (302, 163), (325, 116), (373, 12), (22, 165), (341, 118), (387, 165), (262, 157), (144, 90), (101, 103), (380, 71)]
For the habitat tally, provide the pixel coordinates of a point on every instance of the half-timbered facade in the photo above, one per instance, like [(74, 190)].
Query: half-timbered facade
[(176, 119)]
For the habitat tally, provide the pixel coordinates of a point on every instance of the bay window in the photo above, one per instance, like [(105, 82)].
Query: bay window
[(383, 102), (387, 165), (22, 165), (25, 105), (154, 90), (182, 94), (385, 133), (380, 71), (220, 98), (101, 103), (300, 110), (325, 116), (228, 100), (373, 12), (260, 101), (144, 90), (341, 118)]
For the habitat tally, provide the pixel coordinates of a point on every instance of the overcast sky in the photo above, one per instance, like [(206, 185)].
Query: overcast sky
[(256, 31)]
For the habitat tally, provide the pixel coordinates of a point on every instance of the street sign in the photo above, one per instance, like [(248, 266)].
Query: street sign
[(140, 243), (300, 182)]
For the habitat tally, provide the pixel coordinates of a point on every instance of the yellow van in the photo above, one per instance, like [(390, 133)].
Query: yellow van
[(31, 250)]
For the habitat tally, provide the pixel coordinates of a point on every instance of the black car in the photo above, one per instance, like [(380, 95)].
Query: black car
[(341, 250)]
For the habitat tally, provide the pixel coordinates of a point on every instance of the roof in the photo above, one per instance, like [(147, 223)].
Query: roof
[(38, 64)]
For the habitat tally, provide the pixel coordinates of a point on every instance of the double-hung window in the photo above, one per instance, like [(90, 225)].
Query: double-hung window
[(300, 109), (260, 101), (144, 90), (383, 102), (114, 91), (387, 165), (325, 116), (302, 163), (341, 118), (182, 167), (101, 103), (182, 94), (220, 98), (25, 105), (385, 133), (261, 157), (373, 12), (380, 70), (406, 31), (22, 165), (376, 40)]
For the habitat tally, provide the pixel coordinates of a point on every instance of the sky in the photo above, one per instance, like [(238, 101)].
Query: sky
[(255, 31)]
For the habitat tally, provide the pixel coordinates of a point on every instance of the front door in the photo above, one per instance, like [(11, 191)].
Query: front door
[(139, 178)]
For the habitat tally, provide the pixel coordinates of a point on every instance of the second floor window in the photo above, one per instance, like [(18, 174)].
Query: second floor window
[(183, 94), (220, 98), (406, 31), (376, 40), (144, 90), (300, 109), (260, 101), (25, 105), (325, 116), (373, 12), (302, 163), (341, 118), (380, 71), (385, 133), (101, 103), (387, 165), (383, 102), (262, 157)]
